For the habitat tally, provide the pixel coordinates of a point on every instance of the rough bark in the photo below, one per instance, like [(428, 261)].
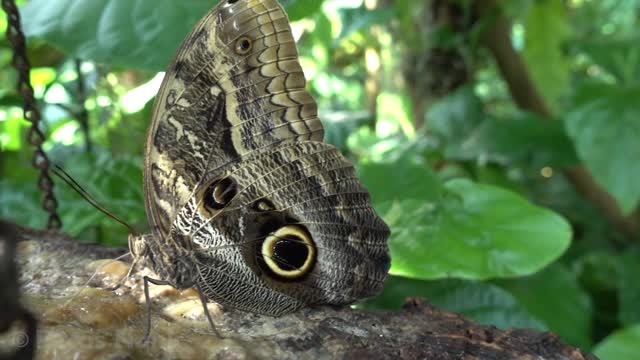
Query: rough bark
[(78, 318)]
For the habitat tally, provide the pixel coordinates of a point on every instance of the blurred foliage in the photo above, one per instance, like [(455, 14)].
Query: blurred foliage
[(483, 220)]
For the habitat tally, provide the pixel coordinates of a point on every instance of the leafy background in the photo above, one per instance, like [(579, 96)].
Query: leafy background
[(512, 202)]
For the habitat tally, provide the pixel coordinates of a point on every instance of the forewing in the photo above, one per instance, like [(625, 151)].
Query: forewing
[(234, 89)]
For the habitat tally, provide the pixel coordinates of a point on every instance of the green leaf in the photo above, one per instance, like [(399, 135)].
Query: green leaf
[(317, 45), (597, 268), (453, 117), (339, 125), (369, 147), (546, 31), (606, 134), (629, 288), (482, 302), (621, 345), (411, 180), (526, 139), (356, 19), (394, 115), (468, 133), (299, 9), (20, 202), (10, 98), (590, 90), (618, 56), (405, 19), (138, 34), (11, 131), (555, 291), (474, 232), (496, 175)]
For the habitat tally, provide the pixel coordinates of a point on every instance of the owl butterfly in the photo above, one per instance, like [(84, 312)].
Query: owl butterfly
[(246, 202)]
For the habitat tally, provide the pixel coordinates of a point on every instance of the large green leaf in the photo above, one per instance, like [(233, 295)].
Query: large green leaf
[(472, 231), (555, 291), (606, 134), (621, 345), (477, 232), (482, 302), (130, 33)]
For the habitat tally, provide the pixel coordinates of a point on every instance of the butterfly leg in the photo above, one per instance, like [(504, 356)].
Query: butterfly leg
[(147, 299), (203, 299)]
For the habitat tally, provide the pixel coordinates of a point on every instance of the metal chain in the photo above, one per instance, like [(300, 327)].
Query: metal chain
[(31, 113)]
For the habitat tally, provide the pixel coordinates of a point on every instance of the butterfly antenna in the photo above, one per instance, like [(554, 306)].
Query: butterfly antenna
[(80, 190)]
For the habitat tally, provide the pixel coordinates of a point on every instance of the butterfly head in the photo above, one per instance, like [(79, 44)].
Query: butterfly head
[(138, 245)]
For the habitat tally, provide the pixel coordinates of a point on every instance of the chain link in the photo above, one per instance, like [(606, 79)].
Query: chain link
[(31, 112)]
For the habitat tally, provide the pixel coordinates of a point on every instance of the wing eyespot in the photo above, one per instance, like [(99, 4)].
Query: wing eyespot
[(289, 253), (243, 45)]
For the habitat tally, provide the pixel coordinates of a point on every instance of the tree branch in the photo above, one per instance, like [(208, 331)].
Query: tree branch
[(496, 38), (89, 322)]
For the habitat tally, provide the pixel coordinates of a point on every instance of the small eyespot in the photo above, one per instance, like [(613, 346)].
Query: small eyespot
[(220, 193), (243, 45), (232, 1), (289, 252), (263, 205)]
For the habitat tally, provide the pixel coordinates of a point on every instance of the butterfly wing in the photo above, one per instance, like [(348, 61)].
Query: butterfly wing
[(299, 230), (233, 111), (234, 87)]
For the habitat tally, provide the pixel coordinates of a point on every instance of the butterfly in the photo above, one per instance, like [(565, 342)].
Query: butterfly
[(246, 202)]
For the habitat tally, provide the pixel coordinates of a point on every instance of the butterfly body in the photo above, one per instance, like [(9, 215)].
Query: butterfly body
[(245, 200)]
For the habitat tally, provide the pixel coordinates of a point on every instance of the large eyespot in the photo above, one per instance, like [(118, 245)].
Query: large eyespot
[(289, 252), (220, 193), (243, 45)]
